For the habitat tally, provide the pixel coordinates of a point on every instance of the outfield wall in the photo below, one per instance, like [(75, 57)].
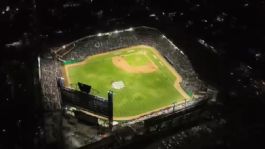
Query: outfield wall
[(88, 102)]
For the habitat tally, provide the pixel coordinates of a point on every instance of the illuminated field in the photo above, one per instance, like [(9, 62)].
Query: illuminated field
[(141, 79)]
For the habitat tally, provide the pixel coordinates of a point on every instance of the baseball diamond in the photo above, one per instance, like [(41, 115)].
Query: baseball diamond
[(139, 76)]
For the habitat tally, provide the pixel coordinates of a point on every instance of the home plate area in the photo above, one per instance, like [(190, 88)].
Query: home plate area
[(118, 85)]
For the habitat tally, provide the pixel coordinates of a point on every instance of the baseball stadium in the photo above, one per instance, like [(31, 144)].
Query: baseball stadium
[(125, 79)]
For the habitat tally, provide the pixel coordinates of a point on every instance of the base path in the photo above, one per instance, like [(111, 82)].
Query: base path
[(172, 69)]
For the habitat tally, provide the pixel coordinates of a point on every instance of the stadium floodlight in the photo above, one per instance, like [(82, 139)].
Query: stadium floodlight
[(39, 67), (181, 52), (130, 29), (152, 15)]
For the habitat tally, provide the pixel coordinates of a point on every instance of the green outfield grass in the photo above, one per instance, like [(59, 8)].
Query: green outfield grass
[(143, 92)]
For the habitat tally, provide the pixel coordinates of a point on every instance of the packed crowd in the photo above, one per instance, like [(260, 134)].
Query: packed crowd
[(50, 70)]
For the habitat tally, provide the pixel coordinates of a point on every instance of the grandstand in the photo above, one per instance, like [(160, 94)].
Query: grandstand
[(57, 96)]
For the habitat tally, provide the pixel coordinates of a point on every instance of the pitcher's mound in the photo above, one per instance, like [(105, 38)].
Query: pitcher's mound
[(118, 85)]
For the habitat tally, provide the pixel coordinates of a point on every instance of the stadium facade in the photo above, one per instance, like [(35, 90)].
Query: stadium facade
[(90, 118)]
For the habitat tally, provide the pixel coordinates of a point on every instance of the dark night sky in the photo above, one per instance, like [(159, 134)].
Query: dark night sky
[(230, 58)]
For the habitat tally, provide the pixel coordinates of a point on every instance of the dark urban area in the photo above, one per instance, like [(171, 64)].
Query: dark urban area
[(223, 40)]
